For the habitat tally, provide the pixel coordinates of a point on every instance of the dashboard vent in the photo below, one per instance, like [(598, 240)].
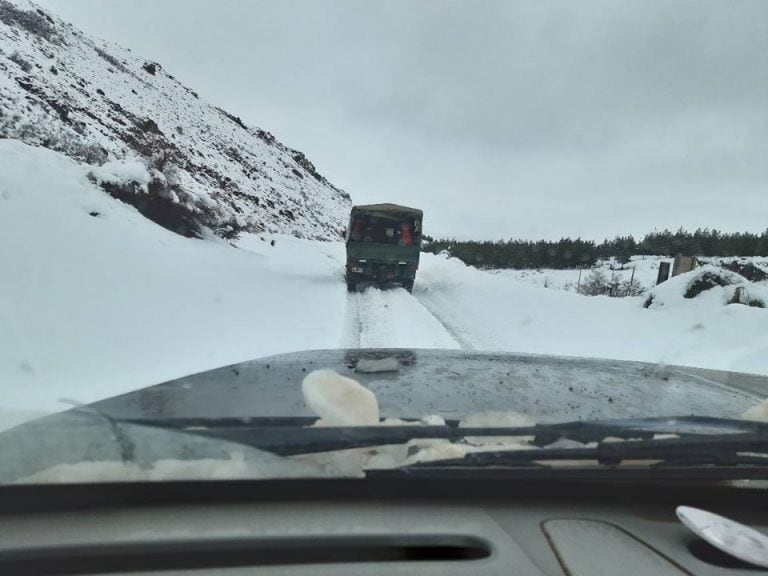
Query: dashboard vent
[(207, 554)]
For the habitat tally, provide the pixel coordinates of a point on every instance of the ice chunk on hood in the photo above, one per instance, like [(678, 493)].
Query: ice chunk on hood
[(758, 412), (497, 419), (338, 400), (373, 366), (428, 420)]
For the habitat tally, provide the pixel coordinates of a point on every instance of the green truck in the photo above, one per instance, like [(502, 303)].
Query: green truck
[(383, 245)]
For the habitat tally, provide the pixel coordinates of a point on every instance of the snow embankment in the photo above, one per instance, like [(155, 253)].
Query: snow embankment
[(122, 172), (713, 284), (497, 312), (96, 300)]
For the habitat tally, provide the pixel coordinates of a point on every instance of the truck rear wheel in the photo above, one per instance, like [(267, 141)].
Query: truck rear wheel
[(408, 285)]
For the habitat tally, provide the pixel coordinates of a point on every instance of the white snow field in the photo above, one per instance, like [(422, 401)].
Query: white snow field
[(96, 305), (96, 300)]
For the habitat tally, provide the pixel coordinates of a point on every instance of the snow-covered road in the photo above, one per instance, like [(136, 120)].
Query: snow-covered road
[(96, 300), (384, 318)]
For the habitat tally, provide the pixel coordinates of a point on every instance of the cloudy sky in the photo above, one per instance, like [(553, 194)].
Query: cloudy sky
[(498, 118)]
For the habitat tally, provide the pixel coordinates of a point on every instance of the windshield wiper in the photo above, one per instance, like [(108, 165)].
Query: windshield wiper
[(728, 450), (289, 436)]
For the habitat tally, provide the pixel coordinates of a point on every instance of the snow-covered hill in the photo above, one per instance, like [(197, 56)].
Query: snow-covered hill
[(95, 101)]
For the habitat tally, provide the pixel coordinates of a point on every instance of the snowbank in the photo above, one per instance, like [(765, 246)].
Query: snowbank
[(496, 311), (122, 172), (711, 283), (96, 300)]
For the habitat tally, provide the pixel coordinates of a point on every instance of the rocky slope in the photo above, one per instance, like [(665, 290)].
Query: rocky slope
[(100, 103)]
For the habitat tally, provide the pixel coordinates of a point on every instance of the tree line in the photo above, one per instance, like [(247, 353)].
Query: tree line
[(575, 253)]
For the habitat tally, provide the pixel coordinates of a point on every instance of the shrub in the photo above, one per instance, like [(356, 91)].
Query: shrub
[(159, 208), (748, 270), (148, 191), (236, 119), (54, 137), (37, 23), (705, 281), (110, 59), (166, 202), (598, 284), (741, 295), (595, 284), (91, 153), (164, 159), (21, 61), (737, 290), (629, 288)]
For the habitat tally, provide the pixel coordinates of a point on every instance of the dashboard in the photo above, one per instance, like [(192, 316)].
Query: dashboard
[(374, 526)]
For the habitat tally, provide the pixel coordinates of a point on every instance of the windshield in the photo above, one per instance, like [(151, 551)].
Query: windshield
[(333, 238), (378, 230)]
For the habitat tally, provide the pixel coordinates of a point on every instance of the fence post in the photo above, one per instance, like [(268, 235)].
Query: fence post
[(663, 273), (683, 264)]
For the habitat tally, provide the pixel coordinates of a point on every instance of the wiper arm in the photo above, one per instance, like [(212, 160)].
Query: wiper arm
[(291, 436), (586, 431), (292, 440), (736, 449)]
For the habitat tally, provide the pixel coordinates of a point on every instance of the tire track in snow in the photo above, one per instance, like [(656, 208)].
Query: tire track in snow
[(393, 319), (458, 335), (352, 328)]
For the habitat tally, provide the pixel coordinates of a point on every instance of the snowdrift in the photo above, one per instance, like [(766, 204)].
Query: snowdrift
[(716, 284), (96, 300)]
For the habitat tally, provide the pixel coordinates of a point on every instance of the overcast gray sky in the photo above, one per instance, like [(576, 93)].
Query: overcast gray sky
[(498, 118)]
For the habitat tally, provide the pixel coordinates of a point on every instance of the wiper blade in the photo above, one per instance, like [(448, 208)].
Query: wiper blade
[(728, 450), (293, 440), (586, 431), (292, 436)]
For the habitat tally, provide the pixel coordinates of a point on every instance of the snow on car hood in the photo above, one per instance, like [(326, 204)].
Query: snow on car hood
[(452, 384), (425, 385)]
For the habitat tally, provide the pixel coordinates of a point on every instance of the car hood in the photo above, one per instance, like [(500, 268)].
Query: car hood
[(407, 383), (451, 383)]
